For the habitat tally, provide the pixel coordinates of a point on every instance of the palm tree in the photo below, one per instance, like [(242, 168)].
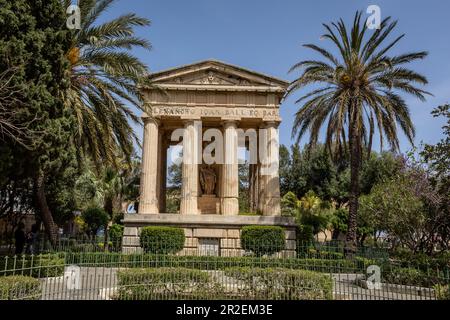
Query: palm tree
[(104, 78), (357, 94)]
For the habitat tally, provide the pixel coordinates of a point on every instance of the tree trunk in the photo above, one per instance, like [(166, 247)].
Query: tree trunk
[(46, 215), (355, 164), (108, 207)]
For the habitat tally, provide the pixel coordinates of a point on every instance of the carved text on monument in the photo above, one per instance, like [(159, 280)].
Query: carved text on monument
[(265, 113)]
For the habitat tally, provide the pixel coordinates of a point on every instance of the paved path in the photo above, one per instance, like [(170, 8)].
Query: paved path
[(96, 283)]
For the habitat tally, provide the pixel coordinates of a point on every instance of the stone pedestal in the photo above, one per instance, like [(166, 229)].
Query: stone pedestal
[(209, 204), (205, 230)]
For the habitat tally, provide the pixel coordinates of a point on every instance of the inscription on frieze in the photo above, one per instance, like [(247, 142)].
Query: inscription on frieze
[(216, 112)]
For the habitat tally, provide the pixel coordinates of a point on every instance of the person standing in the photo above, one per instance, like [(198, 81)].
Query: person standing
[(31, 239), (19, 236)]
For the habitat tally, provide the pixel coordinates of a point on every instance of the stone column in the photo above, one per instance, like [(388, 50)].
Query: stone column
[(189, 188), (269, 202), (162, 171), (148, 202), (230, 175)]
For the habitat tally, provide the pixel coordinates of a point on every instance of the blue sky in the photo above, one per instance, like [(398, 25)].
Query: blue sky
[(266, 36)]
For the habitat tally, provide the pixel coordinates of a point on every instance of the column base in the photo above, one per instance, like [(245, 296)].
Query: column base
[(230, 206), (271, 207), (148, 208), (189, 206)]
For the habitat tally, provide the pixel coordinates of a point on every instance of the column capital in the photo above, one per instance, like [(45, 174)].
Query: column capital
[(148, 119), (229, 122), (187, 122), (270, 124)]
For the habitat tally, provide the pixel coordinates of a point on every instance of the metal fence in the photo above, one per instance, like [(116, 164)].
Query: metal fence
[(316, 272)]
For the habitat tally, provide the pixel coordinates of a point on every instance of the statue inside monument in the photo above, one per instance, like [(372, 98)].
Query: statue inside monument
[(208, 179)]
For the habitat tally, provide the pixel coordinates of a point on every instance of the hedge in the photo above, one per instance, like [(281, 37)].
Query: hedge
[(214, 263), (162, 239), (166, 283), (41, 266), (19, 288), (284, 284), (248, 283), (115, 233), (412, 277), (263, 240)]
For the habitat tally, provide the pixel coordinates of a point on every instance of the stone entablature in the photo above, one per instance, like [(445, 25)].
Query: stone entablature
[(238, 113)]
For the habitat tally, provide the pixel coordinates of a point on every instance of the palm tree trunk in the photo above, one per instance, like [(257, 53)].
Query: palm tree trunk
[(355, 164), (46, 215)]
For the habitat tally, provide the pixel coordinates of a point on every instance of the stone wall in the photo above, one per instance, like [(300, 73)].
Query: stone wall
[(226, 235)]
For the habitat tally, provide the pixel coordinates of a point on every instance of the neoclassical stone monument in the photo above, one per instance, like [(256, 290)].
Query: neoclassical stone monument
[(211, 100)]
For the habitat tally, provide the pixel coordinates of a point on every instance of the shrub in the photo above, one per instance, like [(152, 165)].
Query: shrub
[(19, 288), (166, 283), (162, 239), (115, 235), (263, 240), (442, 292), (95, 218), (411, 277), (102, 259), (321, 254), (283, 284), (40, 266), (406, 258), (84, 247)]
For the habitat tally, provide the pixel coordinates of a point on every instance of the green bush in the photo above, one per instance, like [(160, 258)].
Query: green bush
[(95, 218), (41, 266), (84, 247), (162, 239), (214, 263), (263, 240), (442, 292), (320, 254), (19, 288), (422, 261), (285, 284), (412, 277), (115, 235), (166, 283)]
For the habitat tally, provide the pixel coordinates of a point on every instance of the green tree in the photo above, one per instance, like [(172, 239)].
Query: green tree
[(378, 168), (408, 209), (359, 94), (438, 156), (285, 169), (311, 212), (33, 42), (244, 188), (95, 218), (11, 99), (105, 76)]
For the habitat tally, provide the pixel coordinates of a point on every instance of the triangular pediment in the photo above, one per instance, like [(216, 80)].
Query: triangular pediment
[(215, 73)]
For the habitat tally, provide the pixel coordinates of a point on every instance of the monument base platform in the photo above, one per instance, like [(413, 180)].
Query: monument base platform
[(217, 235)]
